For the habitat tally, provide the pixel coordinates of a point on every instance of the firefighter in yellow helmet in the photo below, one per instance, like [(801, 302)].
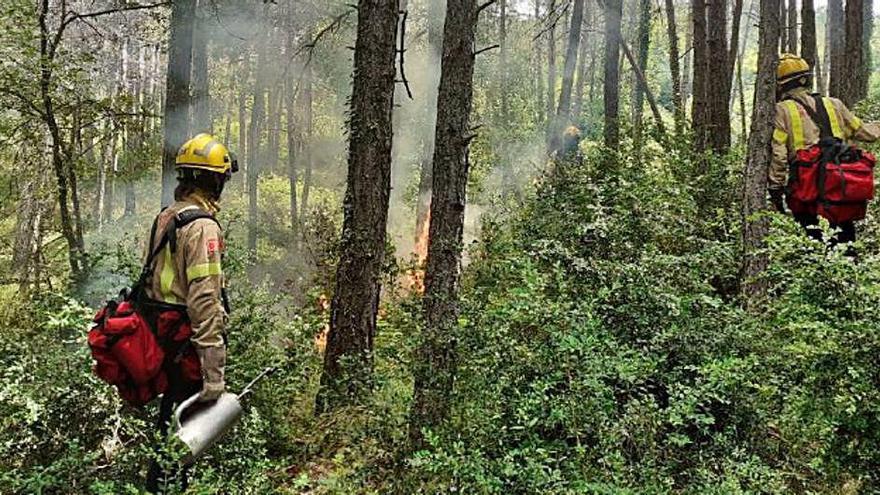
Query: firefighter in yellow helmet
[(187, 277), (795, 130)]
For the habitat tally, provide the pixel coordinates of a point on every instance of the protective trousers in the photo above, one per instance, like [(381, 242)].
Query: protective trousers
[(161, 478)]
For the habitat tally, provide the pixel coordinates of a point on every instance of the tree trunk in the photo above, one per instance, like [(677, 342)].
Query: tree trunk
[(792, 26), (201, 94), (539, 66), (290, 106), (611, 82), (836, 48), (563, 111), (701, 74), (686, 72), (583, 64), (642, 82), (551, 62), (348, 357), (675, 72), (435, 361), (177, 96), (255, 135), (867, 35), (75, 250), (308, 117), (423, 201), (643, 36), (853, 66), (809, 52), (243, 149), (754, 258), (783, 27)]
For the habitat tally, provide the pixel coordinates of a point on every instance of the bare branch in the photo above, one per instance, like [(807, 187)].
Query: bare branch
[(481, 50), (485, 5), (402, 51)]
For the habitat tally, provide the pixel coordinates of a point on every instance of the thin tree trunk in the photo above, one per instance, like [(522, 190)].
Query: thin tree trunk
[(177, 95), (290, 106), (243, 149), (686, 72), (347, 373), (423, 201), (783, 26), (643, 35), (59, 165), (836, 42), (435, 362), (563, 111), (754, 258), (809, 52), (867, 35), (792, 26), (539, 65), (551, 62), (255, 134), (308, 117), (674, 70), (201, 94), (642, 81), (611, 82), (583, 64)]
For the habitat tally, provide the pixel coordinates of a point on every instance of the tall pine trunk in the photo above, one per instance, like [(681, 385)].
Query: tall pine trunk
[(611, 82), (255, 137), (177, 91), (643, 35), (835, 45), (754, 258), (347, 373), (809, 51), (583, 64), (435, 359), (674, 70), (201, 96), (563, 111)]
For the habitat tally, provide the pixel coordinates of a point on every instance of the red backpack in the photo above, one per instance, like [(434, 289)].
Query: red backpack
[(137, 341), (830, 179)]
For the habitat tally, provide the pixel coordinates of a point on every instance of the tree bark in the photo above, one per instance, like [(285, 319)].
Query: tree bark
[(783, 26), (611, 82), (255, 135), (809, 52), (563, 111), (853, 66), (75, 250), (867, 35), (754, 258), (308, 117), (201, 94), (177, 91), (348, 357), (423, 202), (435, 361), (792, 26), (551, 62), (643, 35), (701, 73), (290, 106), (686, 73), (539, 66), (583, 64), (674, 70), (243, 77), (835, 47)]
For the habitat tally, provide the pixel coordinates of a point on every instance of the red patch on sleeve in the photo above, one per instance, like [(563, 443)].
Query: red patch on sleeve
[(213, 246)]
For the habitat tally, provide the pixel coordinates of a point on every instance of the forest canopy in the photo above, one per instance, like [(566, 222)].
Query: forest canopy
[(496, 246)]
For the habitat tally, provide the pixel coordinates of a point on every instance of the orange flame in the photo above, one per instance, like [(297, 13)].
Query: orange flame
[(416, 278)]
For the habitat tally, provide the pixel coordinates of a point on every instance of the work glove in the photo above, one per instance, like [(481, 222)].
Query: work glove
[(213, 361), (777, 201)]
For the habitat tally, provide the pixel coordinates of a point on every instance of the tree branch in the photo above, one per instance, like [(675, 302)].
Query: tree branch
[(485, 6), (481, 50)]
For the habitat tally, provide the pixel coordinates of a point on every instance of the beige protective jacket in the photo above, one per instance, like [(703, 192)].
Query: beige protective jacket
[(795, 130), (193, 274)]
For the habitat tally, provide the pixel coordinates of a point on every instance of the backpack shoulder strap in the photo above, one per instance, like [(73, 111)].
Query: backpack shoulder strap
[(819, 116), (169, 238)]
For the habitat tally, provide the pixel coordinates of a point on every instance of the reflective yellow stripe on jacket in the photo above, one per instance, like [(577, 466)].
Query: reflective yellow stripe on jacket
[(832, 117), (203, 270), (166, 278), (797, 125)]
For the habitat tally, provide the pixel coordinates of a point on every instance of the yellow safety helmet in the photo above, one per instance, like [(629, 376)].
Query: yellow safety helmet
[(572, 132), (791, 67), (204, 152)]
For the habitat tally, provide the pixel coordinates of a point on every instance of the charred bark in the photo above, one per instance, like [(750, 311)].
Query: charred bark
[(435, 362), (347, 373)]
